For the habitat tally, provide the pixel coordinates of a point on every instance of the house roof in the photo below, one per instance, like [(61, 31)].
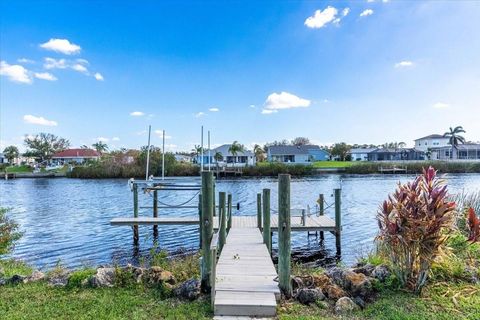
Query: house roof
[(465, 146), (393, 150), (291, 150), (432, 136), (362, 150), (223, 149), (77, 153)]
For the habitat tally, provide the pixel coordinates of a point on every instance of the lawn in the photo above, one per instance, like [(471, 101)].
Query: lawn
[(18, 169), (333, 164)]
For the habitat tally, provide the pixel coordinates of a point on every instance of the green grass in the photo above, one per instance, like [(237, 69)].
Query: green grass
[(18, 169), (333, 164)]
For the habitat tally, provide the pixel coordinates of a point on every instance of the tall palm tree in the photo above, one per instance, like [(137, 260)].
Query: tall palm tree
[(455, 138), (197, 150), (234, 149), (100, 146), (218, 156), (259, 153)]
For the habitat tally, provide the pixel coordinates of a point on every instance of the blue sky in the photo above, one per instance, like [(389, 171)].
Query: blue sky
[(353, 71)]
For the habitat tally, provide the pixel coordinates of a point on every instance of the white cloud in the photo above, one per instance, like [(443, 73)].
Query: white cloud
[(284, 100), (159, 133), (61, 45), (252, 106), (102, 139), (268, 111), (51, 63), (45, 76), (345, 12), (441, 105), (321, 18), (366, 12), (25, 60), (403, 64), (137, 113), (370, 1), (15, 73), (80, 68), (199, 114), (98, 76), (82, 61), (115, 139), (213, 109), (28, 118)]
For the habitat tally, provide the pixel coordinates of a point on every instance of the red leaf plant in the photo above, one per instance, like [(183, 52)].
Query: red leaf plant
[(473, 226), (412, 223)]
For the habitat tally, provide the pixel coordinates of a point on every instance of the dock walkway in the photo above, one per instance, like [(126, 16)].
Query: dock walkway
[(245, 276)]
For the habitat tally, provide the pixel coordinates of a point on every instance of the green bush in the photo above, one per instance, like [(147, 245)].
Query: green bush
[(274, 168), (77, 277), (9, 233), (416, 167)]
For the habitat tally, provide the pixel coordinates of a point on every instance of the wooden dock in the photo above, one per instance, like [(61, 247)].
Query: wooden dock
[(245, 276), (312, 223)]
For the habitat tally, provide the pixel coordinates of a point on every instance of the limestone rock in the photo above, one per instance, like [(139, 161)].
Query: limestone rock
[(157, 275), (58, 278), (345, 305), (366, 269), (381, 272), (189, 290), (308, 296), (357, 284), (105, 277), (334, 292), (35, 276)]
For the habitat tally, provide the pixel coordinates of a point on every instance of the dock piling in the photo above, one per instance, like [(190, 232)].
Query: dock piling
[(135, 213), (207, 228), (321, 204), (155, 213), (284, 226), (259, 210), (200, 220), (338, 220), (229, 210), (267, 234), (222, 238)]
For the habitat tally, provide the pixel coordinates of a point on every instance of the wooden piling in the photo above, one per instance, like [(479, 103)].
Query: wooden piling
[(338, 220), (259, 210), (200, 220), (155, 213), (135, 213), (229, 210), (214, 202), (321, 204), (284, 248), (222, 237), (267, 239), (207, 228)]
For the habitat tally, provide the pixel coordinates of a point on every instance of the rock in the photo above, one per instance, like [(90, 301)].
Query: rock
[(3, 281), (345, 305), (137, 272), (366, 269), (15, 279), (381, 272), (360, 302), (472, 275), (322, 304), (334, 292), (189, 290), (297, 283), (105, 277), (321, 281), (308, 296), (336, 274), (35, 276), (157, 275), (357, 284), (58, 278)]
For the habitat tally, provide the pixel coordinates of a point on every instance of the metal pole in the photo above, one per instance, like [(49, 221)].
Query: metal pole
[(148, 152), (163, 156), (209, 158)]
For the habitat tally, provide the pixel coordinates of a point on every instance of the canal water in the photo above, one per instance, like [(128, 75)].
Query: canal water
[(67, 220)]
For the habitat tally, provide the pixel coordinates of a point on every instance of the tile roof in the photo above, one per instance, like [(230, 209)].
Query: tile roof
[(77, 153)]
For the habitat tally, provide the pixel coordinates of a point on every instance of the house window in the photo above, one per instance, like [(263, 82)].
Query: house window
[(289, 158)]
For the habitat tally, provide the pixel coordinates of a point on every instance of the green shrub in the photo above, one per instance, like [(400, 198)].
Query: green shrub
[(9, 233), (274, 169), (77, 277)]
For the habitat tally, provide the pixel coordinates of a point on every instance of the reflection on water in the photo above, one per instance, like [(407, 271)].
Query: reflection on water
[(67, 220)]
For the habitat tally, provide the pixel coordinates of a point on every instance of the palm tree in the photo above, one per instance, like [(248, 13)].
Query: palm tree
[(455, 138), (259, 153), (197, 150), (218, 156), (234, 149), (100, 146)]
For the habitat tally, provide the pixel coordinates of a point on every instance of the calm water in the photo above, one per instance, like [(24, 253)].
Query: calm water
[(67, 220)]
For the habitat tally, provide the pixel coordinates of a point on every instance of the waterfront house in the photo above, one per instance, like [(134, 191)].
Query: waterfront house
[(183, 158), (399, 154), (226, 158), (75, 155), (431, 141), (467, 151), (360, 154), (2, 158), (303, 154)]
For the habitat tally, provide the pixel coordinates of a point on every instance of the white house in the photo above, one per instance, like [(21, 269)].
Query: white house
[(304, 154), (225, 157), (360, 154), (431, 141), (2, 158)]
